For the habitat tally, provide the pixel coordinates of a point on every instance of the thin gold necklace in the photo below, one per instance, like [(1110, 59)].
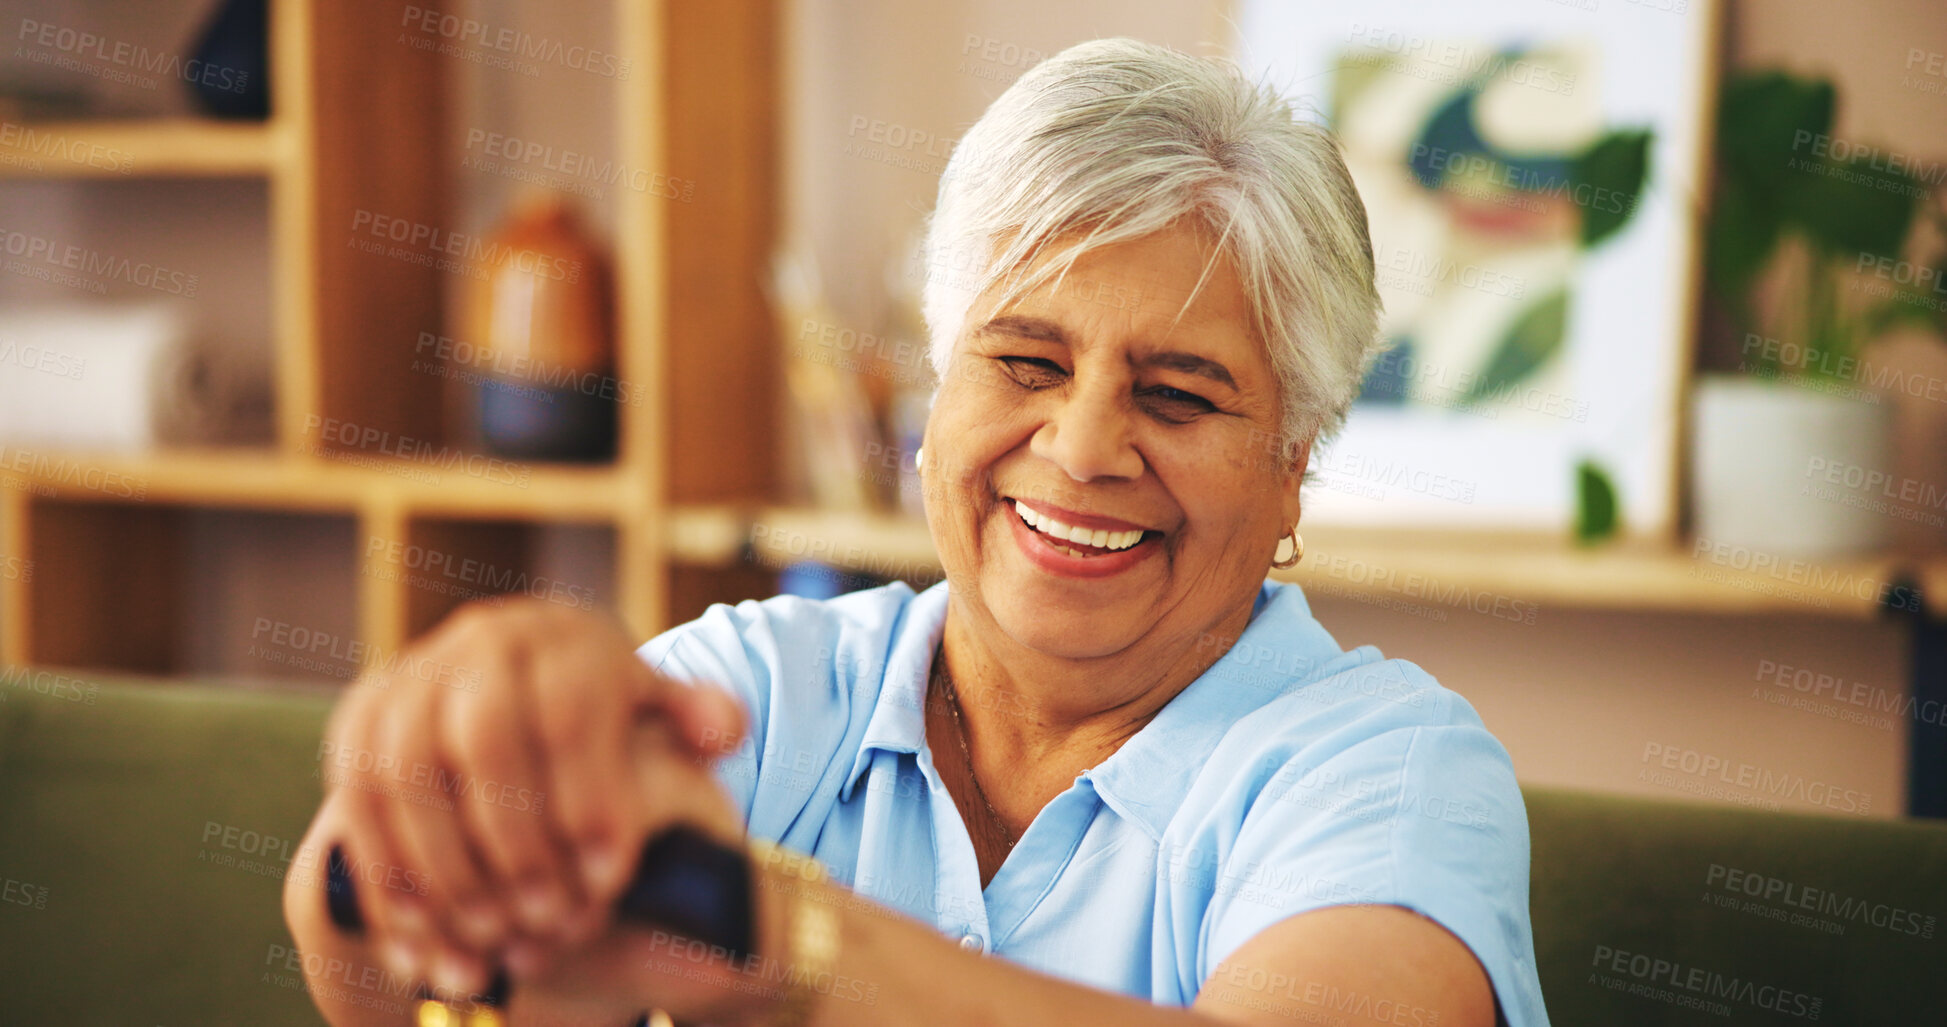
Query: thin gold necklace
[(945, 678)]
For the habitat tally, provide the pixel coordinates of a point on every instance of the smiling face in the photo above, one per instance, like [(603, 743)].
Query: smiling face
[(1093, 406)]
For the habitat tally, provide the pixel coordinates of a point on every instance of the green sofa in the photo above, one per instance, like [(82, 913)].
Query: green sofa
[(145, 827)]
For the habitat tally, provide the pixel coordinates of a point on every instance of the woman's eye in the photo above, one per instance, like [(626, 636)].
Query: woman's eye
[(1177, 403), (1034, 372)]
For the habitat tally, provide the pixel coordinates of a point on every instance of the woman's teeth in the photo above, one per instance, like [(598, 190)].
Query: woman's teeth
[(1099, 538)]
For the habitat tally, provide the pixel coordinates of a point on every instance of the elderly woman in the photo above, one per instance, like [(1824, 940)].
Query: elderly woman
[(1105, 773)]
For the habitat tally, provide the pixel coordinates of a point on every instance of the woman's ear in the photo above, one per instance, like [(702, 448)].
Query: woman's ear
[(1298, 457)]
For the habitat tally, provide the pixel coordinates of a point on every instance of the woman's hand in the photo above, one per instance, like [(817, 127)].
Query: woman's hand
[(629, 969), (494, 790)]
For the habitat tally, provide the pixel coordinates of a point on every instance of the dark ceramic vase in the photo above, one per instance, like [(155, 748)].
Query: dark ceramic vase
[(534, 422), (230, 73), (546, 313)]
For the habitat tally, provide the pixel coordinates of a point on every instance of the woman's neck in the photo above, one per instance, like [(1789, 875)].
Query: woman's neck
[(1057, 716)]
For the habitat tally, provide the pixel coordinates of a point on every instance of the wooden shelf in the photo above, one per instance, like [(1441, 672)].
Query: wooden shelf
[(263, 480), (1513, 573), (1482, 572), (155, 148)]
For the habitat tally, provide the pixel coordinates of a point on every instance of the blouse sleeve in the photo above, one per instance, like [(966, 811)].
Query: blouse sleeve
[(1426, 817)]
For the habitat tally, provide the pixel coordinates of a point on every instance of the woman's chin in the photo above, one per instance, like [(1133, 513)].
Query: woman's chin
[(1058, 631)]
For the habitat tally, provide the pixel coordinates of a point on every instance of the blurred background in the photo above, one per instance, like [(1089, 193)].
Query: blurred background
[(318, 320)]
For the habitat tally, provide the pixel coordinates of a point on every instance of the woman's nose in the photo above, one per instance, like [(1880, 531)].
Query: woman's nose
[(1088, 436)]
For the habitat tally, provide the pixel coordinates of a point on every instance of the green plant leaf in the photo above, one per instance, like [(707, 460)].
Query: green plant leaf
[(1777, 177), (1595, 503), (1617, 166), (1534, 337), (1739, 238), (1850, 207), (1764, 120)]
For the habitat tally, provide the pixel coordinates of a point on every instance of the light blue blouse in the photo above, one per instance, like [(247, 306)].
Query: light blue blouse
[(1290, 776)]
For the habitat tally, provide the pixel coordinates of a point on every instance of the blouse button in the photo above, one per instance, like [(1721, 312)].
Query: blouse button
[(973, 943)]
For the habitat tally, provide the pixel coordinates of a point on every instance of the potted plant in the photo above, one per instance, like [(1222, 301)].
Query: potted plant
[(1806, 258)]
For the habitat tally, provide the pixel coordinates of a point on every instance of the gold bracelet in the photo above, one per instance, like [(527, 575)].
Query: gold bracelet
[(811, 940), (434, 1013)]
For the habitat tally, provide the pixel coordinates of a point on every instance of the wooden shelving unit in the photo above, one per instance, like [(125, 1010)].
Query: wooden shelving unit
[(268, 481), (96, 544), (165, 147), (1428, 568)]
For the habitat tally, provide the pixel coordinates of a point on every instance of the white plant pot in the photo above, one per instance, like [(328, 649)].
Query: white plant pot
[(1786, 469)]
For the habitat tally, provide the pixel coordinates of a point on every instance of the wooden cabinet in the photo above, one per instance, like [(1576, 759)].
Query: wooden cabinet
[(101, 553)]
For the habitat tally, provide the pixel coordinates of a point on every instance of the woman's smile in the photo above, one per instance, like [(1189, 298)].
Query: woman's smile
[(1077, 545)]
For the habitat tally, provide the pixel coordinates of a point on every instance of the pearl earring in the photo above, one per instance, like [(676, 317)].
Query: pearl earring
[(919, 459)]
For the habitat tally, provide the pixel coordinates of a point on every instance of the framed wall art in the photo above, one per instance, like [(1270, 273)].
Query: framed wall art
[(1531, 172)]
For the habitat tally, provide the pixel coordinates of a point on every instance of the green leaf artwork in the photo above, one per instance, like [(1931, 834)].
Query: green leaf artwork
[(1617, 167), (1595, 503), (1500, 192), (1534, 337)]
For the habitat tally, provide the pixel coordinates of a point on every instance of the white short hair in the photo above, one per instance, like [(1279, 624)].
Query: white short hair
[(1115, 139)]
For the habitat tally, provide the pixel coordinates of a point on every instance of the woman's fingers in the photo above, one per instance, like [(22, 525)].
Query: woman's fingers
[(423, 825), (594, 803), (396, 914), (500, 777), (330, 957), (677, 788), (402, 837), (710, 722), (713, 722), (634, 966), (520, 803)]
